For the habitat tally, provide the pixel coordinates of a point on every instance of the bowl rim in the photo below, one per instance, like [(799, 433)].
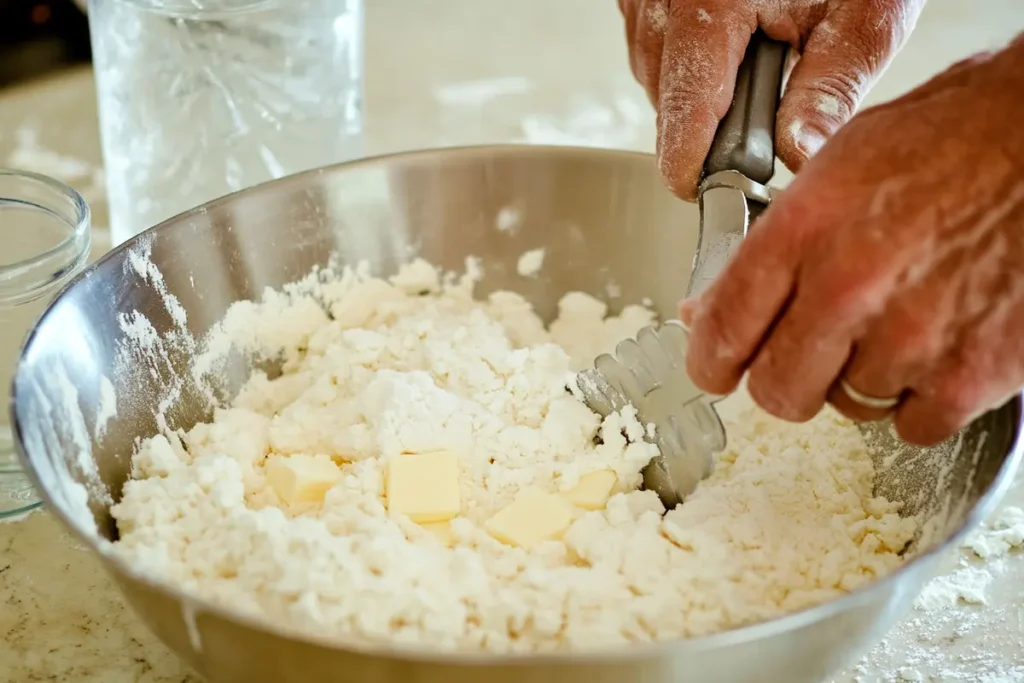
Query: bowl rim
[(193, 606)]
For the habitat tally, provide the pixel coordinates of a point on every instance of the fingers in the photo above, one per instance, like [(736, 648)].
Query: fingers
[(811, 342), (704, 45), (688, 309), (801, 289), (950, 400), (792, 374), (843, 56), (730, 320), (893, 354), (983, 368), (645, 33), (871, 374)]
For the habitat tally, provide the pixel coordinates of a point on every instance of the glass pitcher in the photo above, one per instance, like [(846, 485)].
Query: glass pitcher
[(200, 98)]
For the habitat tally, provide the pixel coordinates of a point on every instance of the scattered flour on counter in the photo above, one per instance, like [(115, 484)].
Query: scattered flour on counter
[(1001, 537), (480, 92), (530, 263), (953, 634), (965, 585), (29, 154), (375, 369)]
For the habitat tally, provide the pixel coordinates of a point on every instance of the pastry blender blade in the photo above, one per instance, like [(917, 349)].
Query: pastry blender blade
[(649, 374)]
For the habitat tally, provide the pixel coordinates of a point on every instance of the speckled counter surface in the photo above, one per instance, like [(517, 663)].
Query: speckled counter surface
[(468, 78)]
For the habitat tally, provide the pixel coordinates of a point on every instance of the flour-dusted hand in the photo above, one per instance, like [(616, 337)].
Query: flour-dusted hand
[(895, 260), (686, 53)]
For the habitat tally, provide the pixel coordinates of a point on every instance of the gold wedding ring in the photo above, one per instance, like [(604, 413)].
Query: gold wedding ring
[(865, 401)]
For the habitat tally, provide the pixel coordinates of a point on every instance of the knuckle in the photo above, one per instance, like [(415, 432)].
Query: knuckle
[(833, 296), (911, 341), (899, 341), (679, 104), (838, 94), (877, 28), (688, 10)]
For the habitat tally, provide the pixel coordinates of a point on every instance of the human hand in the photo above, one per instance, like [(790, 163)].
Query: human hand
[(895, 261), (685, 53)]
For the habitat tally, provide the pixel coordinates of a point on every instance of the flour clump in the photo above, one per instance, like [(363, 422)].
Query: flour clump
[(419, 473)]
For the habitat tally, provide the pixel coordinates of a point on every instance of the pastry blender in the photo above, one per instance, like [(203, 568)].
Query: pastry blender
[(649, 372)]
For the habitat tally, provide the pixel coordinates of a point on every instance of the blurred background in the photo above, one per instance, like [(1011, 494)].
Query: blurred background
[(437, 73), (37, 38)]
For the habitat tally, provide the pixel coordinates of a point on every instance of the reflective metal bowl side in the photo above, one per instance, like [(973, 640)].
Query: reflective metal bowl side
[(608, 227)]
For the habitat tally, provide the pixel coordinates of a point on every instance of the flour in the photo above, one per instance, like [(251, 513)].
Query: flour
[(107, 407), (530, 263), (966, 585), (829, 105), (374, 369), (142, 343), (952, 634), (1003, 536), (509, 220), (58, 436), (657, 17), (139, 260), (188, 615)]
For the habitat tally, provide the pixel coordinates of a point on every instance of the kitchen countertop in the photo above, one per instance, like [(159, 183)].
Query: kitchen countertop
[(466, 79)]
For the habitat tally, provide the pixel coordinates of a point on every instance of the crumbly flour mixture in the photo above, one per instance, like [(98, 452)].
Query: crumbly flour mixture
[(420, 474)]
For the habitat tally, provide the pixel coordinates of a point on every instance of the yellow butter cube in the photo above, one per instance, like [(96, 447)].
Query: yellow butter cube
[(442, 531), (593, 490), (424, 487), (302, 478), (532, 518)]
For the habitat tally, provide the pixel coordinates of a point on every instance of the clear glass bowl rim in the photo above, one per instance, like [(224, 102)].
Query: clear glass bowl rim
[(34, 277)]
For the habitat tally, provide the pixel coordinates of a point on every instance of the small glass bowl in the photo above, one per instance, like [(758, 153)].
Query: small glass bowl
[(45, 237)]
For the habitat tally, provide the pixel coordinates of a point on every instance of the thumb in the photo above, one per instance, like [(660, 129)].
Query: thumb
[(842, 58)]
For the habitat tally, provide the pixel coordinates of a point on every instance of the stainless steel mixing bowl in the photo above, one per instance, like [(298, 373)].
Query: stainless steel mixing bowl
[(603, 218)]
